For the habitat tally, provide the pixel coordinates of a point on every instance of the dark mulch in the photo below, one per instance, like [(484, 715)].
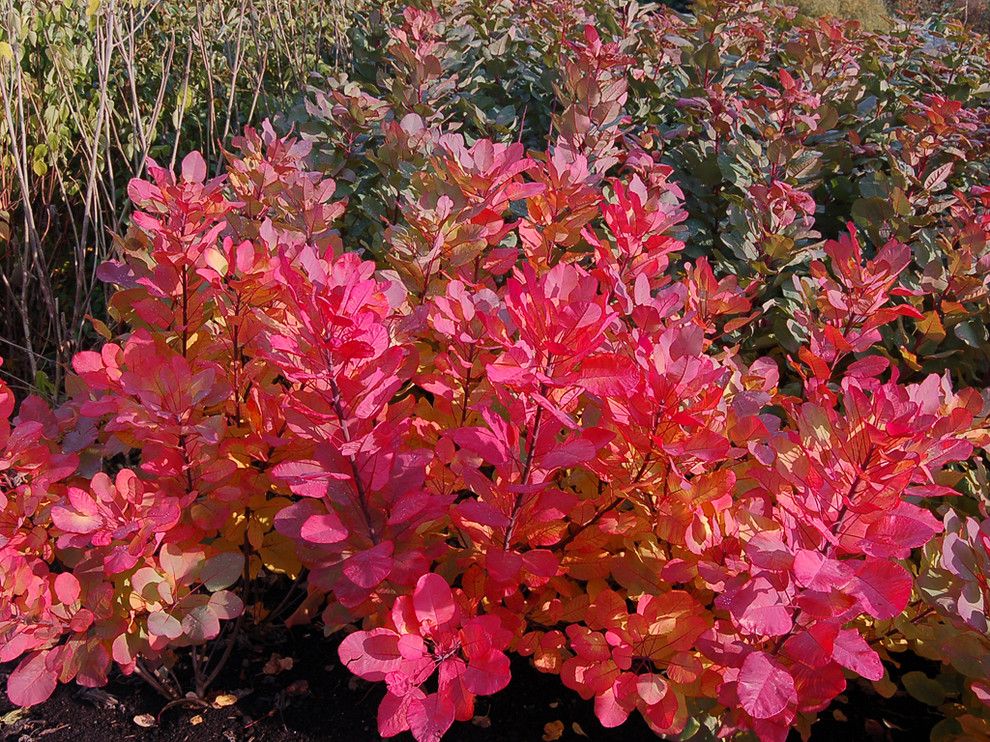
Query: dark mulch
[(317, 699)]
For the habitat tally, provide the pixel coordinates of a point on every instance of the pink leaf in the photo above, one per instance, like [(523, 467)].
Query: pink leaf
[(323, 528), (487, 674), (482, 513), (896, 532), (767, 550), (981, 689), (758, 609), (226, 604), (67, 588), (289, 520), (393, 710), (368, 568), (765, 688), (31, 682), (433, 601), (371, 654), (140, 191), (201, 624), (817, 572), (193, 168), (120, 559), (851, 651), (573, 452), (161, 623), (71, 521), (609, 711), (430, 717)]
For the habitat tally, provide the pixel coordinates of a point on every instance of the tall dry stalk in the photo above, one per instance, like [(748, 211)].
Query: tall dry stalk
[(86, 98)]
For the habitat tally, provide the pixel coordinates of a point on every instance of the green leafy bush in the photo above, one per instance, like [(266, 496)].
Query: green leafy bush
[(872, 14)]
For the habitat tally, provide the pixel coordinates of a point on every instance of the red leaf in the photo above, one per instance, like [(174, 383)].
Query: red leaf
[(482, 442), (609, 375), (883, 588)]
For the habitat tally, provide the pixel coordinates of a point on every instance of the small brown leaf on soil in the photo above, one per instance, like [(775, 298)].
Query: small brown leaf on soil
[(553, 730), (225, 699), (12, 717), (297, 688), (145, 720), (277, 664)]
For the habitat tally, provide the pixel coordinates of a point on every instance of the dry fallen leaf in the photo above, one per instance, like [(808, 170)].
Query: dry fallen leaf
[(225, 699), (196, 720), (553, 730), (12, 717), (578, 730), (144, 720), (297, 687), (277, 664)]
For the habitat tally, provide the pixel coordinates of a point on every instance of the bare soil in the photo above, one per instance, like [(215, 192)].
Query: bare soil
[(318, 699)]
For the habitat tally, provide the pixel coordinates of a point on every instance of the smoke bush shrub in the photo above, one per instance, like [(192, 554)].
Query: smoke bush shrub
[(677, 396)]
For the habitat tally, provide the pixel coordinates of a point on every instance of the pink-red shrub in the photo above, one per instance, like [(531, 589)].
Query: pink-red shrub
[(538, 423)]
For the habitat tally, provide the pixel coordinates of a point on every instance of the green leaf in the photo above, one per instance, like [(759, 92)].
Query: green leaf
[(222, 571), (179, 563), (226, 604), (872, 211), (923, 688), (201, 624), (161, 623), (947, 730), (972, 332)]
